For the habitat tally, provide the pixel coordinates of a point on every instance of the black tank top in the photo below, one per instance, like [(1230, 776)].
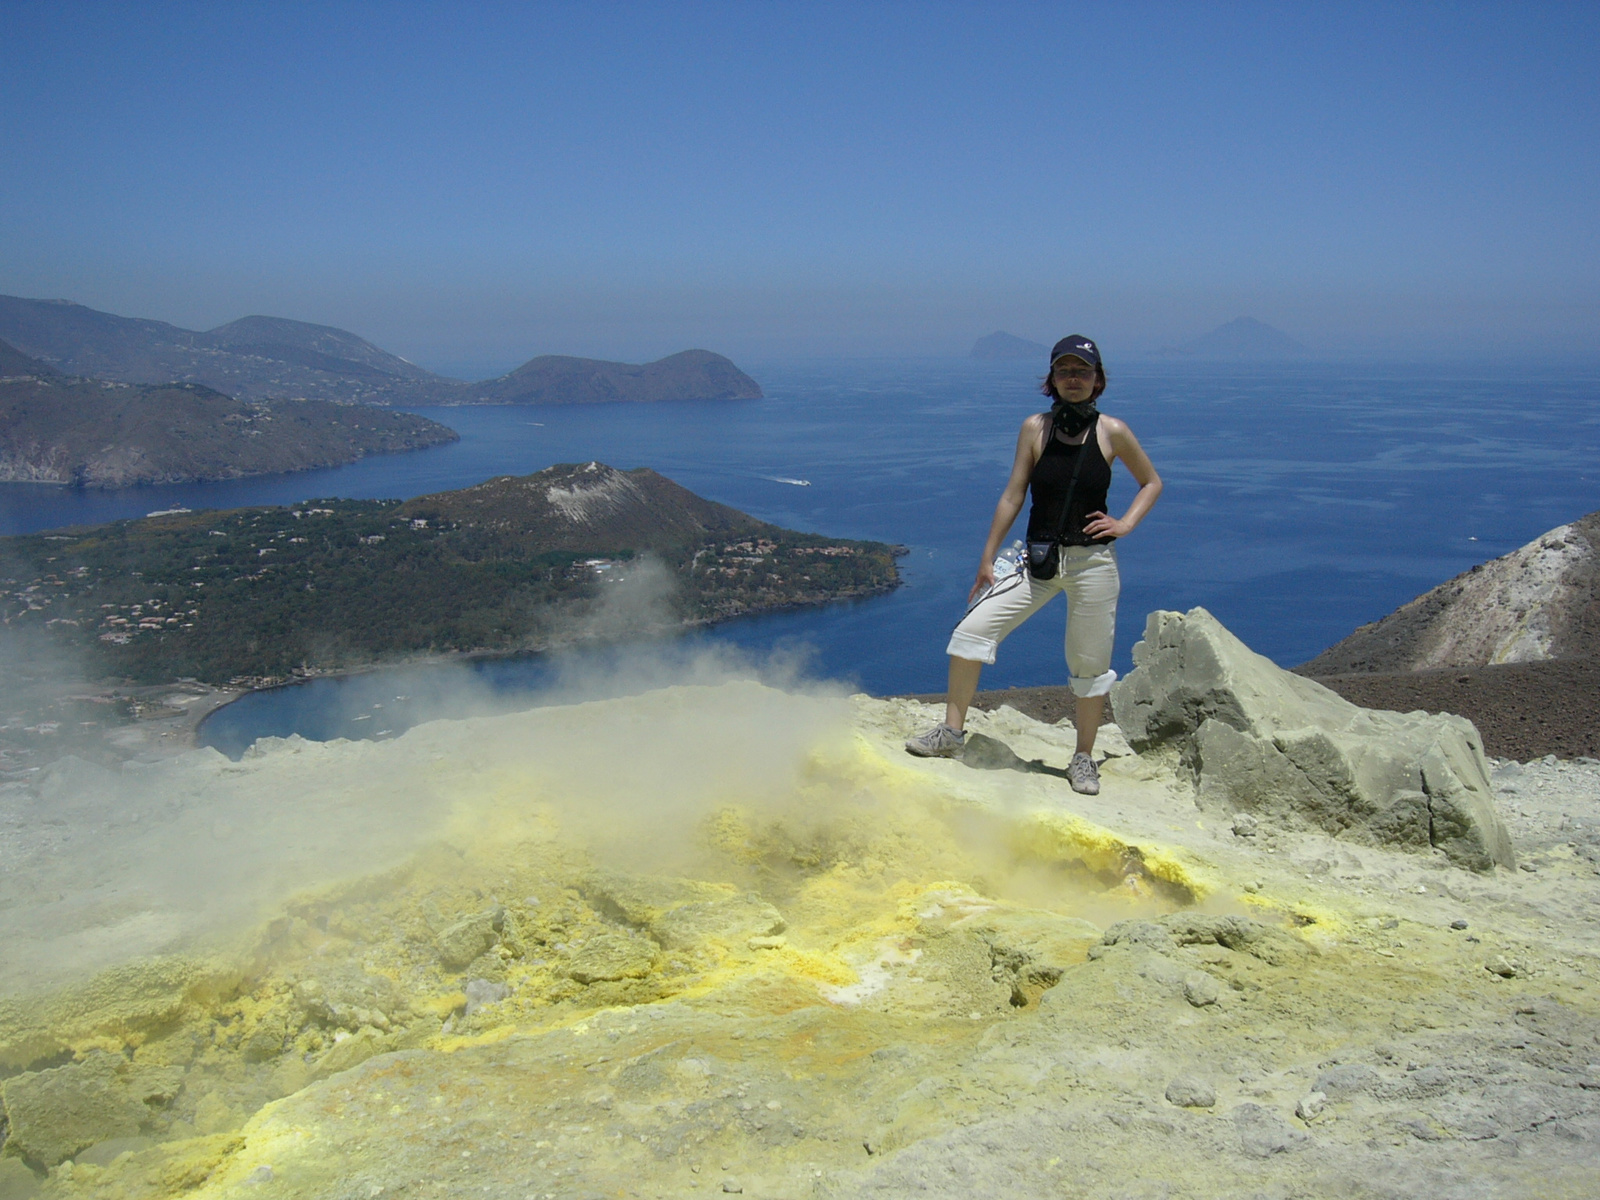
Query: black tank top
[(1051, 475)]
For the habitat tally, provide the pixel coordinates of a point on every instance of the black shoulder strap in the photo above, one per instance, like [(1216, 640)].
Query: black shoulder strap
[(1090, 434)]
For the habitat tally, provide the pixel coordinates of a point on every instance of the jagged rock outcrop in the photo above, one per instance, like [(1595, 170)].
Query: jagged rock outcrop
[(1260, 739), (1538, 602)]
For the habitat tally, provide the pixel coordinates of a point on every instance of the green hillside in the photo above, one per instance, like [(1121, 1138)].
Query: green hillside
[(516, 563)]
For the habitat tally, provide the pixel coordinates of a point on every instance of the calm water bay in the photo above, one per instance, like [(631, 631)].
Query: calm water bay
[(1301, 501)]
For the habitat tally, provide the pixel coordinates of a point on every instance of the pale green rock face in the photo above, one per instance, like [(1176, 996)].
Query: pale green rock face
[(55, 1113), (1261, 739), (611, 957), (464, 940)]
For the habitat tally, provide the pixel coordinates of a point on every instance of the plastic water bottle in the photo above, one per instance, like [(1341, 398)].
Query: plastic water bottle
[(1008, 561)]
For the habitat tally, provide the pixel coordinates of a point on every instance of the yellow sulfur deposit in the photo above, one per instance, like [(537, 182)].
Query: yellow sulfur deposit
[(732, 939)]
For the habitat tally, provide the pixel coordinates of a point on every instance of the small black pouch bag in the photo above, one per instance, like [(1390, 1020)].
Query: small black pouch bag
[(1044, 558)]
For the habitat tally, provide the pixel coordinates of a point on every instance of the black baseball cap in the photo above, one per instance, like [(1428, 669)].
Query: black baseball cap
[(1078, 346)]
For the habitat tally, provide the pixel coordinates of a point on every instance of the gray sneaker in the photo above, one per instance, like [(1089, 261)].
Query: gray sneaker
[(939, 742), (1083, 774)]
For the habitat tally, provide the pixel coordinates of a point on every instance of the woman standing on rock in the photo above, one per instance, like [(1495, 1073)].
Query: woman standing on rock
[(1065, 457)]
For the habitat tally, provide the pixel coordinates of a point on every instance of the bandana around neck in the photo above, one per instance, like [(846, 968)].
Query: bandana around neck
[(1073, 419)]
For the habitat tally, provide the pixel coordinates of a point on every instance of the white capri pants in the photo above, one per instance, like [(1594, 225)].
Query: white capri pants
[(1091, 581)]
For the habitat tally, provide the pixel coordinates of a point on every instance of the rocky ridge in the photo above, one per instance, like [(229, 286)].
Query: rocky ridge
[(1539, 602)]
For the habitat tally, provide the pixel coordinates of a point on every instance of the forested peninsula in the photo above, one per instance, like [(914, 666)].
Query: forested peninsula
[(259, 595)]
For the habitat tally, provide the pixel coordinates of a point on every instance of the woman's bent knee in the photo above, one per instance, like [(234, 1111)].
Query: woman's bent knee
[(1087, 687), (972, 647)]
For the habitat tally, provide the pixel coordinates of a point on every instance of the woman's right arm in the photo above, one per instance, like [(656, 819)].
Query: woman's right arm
[(1011, 500)]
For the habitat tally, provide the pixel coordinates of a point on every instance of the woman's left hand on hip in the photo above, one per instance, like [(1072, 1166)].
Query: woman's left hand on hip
[(1100, 525)]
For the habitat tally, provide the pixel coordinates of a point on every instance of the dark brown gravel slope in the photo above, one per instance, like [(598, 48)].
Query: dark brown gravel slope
[(1523, 710)]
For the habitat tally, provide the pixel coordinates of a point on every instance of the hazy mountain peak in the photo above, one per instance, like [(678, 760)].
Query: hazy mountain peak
[(1241, 338), (317, 346), (253, 358), (1000, 344)]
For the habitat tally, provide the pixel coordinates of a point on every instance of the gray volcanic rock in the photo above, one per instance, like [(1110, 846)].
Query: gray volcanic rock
[(1539, 602), (560, 379), (1007, 345), (1260, 739)]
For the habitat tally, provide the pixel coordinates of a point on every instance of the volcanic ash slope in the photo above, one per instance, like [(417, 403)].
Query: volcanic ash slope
[(728, 939), (1539, 602)]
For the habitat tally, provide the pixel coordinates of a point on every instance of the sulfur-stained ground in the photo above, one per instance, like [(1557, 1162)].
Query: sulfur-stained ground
[(728, 940)]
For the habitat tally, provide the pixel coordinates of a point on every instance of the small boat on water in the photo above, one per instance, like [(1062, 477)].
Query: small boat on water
[(791, 482)]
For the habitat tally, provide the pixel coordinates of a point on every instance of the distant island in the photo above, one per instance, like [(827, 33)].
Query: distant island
[(100, 434), (272, 358), (559, 379), (1241, 339), (258, 595), (1007, 345)]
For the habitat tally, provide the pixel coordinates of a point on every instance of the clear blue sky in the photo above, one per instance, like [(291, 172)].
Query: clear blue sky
[(474, 184)]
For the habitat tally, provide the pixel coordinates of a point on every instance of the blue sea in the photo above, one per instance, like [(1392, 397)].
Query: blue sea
[(1301, 501)]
